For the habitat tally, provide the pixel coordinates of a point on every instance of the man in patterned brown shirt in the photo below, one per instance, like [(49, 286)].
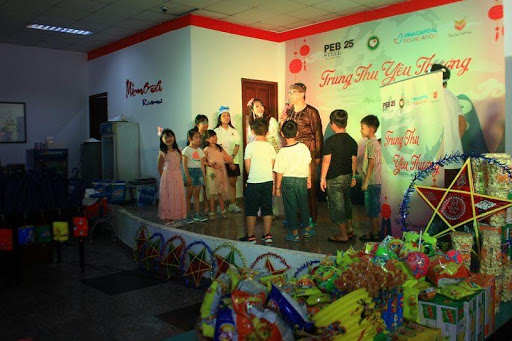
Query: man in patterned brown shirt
[(309, 133)]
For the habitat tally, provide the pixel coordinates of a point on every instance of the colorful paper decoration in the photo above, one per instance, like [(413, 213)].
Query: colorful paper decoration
[(269, 266), (460, 204), (170, 261), (223, 263), (140, 239), (198, 263), (151, 252)]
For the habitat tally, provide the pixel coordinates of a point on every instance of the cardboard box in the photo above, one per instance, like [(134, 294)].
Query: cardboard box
[(488, 284), (458, 320)]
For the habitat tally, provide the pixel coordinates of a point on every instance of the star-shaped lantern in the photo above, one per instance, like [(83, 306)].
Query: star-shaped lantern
[(171, 261), (459, 204), (197, 266), (223, 263)]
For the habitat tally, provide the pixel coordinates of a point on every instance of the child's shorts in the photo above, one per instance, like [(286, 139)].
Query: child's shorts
[(372, 201), (196, 175), (258, 195)]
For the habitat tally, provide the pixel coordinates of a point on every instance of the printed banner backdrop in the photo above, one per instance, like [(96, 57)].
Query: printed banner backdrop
[(410, 141), (345, 68)]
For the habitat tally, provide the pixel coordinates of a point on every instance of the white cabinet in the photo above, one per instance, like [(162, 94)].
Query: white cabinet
[(120, 150)]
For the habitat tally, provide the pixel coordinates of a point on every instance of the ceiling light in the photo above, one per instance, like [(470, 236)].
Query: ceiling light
[(59, 29)]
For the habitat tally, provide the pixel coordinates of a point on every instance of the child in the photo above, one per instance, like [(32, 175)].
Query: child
[(171, 206), (193, 161), (372, 178), (293, 172), (201, 125), (338, 175), (216, 174), (259, 160)]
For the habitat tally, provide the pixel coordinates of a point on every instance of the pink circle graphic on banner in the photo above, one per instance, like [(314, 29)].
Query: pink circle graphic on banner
[(304, 50), (295, 66)]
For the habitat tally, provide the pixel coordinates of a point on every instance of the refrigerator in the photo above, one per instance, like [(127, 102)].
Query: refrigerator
[(120, 150)]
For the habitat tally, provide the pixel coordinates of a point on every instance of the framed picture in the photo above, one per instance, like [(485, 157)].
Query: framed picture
[(13, 125)]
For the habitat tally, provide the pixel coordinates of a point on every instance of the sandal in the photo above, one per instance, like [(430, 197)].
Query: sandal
[(369, 237), (292, 237), (212, 216), (336, 239), (310, 233)]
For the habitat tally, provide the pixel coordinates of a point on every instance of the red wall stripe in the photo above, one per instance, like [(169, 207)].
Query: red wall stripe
[(223, 26)]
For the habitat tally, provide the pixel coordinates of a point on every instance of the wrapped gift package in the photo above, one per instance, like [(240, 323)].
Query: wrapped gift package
[(414, 332), (463, 242), (506, 296), (491, 262), (458, 320), (6, 240), (43, 234), (80, 227)]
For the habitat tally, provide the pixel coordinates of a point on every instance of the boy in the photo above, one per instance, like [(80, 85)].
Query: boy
[(259, 160), (293, 171), (338, 175), (372, 178)]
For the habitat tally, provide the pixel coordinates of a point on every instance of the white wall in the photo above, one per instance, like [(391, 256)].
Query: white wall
[(53, 84), (166, 58), (507, 21), (219, 62), (200, 69)]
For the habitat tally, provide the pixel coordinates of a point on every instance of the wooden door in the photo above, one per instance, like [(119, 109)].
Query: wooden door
[(98, 113), (265, 91)]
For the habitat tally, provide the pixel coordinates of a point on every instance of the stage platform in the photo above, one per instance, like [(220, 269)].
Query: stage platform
[(225, 232)]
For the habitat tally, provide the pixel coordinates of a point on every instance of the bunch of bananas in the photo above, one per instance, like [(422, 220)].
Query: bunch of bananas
[(352, 317)]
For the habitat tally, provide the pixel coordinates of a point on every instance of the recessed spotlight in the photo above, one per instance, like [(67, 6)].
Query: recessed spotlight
[(59, 29)]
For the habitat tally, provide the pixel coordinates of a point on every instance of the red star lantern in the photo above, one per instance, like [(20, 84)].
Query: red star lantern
[(151, 251), (459, 204), (170, 262), (198, 266), (269, 266)]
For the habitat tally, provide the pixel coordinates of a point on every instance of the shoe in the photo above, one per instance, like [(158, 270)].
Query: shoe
[(250, 239), (310, 233), (199, 217), (267, 238), (189, 219), (219, 211), (311, 223), (234, 208), (292, 237), (224, 214), (212, 216)]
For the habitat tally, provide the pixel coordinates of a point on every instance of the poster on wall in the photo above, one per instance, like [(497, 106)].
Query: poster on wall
[(410, 142), (346, 68), (12, 123)]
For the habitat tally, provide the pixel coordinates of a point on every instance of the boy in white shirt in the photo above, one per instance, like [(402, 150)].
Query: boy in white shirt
[(293, 179), (259, 160)]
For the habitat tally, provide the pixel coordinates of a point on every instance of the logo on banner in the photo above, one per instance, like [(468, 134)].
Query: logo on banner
[(373, 43), (459, 28), (333, 50), (415, 36)]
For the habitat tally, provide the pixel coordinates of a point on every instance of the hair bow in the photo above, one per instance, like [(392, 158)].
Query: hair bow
[(159, 130), (250, 103)]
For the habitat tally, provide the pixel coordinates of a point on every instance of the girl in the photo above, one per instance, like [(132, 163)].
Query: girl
[(201, 125), (229, 140), (193, 162), (171, 206), (216, 174)]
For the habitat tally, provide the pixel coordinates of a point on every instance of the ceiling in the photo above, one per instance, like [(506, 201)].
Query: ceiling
[(112, 20)]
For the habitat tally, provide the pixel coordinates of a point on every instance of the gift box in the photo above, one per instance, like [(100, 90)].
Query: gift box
[(60, 231), (43, 234), (506, 296), (80, 227), (488, 284), (458, 320), (6, 240), (463, 242), (26, 235), (491, 261)]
